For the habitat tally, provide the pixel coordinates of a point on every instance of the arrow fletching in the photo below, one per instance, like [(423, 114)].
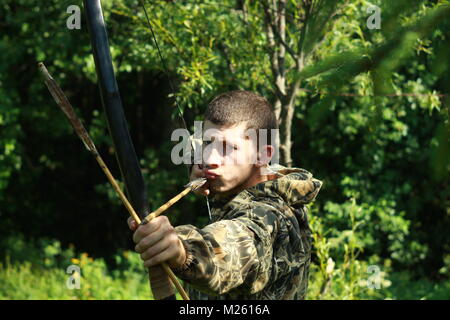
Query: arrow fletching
[(195, 184), (67, 108)]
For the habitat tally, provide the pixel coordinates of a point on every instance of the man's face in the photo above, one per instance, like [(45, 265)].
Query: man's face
[(229, 157)]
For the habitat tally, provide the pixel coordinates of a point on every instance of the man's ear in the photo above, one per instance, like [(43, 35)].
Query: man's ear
[(265, 154)]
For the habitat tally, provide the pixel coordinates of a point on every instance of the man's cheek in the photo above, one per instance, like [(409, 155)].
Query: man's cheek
[(241, 158)]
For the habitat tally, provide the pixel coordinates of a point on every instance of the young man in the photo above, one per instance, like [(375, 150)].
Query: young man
[(258, 242)]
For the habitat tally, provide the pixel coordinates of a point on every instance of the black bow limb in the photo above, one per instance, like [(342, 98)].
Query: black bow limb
[(112, 104)]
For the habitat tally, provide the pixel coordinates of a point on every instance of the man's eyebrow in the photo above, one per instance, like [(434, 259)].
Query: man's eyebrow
[(234, 139), (233, 142), (220, 138), (231, 138)]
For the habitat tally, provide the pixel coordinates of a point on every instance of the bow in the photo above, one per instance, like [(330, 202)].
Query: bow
[(112, 104)]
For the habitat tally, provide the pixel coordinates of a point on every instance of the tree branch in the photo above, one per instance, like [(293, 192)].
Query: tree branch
[(280, 36)]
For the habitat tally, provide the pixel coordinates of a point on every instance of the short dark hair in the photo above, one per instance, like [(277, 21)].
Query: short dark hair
[(231, 108)]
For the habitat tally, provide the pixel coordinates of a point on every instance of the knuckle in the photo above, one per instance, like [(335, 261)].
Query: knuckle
[(170, 228), (172, 251), (140, 247), (139, 234), (154, 224), (143, 256), (135, 238), (148, 253), (153, 261), (146, 228), (173, 238), (146, 242), (141, 243)]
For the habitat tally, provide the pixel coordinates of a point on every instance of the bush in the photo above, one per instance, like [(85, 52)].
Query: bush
[(345, 264), (41, 272)]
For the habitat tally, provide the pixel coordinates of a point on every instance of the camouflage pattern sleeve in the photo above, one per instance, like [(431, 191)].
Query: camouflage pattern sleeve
[(233, 255)]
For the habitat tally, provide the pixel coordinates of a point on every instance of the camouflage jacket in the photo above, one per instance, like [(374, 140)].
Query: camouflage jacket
[(258, 244)]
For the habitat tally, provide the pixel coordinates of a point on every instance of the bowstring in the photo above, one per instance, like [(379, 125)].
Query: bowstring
[(172, 88), (165, 69)]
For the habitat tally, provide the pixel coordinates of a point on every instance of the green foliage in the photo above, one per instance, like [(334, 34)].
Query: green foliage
[(41, 272), (343, 269), (10, 160)]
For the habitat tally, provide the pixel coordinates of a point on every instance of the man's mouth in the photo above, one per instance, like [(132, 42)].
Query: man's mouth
[(210, 174)]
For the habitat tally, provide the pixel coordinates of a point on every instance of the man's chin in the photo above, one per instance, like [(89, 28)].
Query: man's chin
[(218, 189), (222, 190)]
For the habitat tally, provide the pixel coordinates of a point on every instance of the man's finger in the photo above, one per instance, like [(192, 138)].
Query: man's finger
[(148, 241), (132, 224), (203, 190), (160, 257), (144, 230), (155, 249)]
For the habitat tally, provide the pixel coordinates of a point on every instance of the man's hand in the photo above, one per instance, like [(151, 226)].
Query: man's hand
[(196, 173), (158, 242)]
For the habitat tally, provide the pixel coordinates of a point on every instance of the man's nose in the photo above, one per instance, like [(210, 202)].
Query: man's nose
[(212, 158)]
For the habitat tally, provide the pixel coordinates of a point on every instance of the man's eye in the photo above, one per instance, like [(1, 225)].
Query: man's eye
[(207, 142), (229, 148)]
